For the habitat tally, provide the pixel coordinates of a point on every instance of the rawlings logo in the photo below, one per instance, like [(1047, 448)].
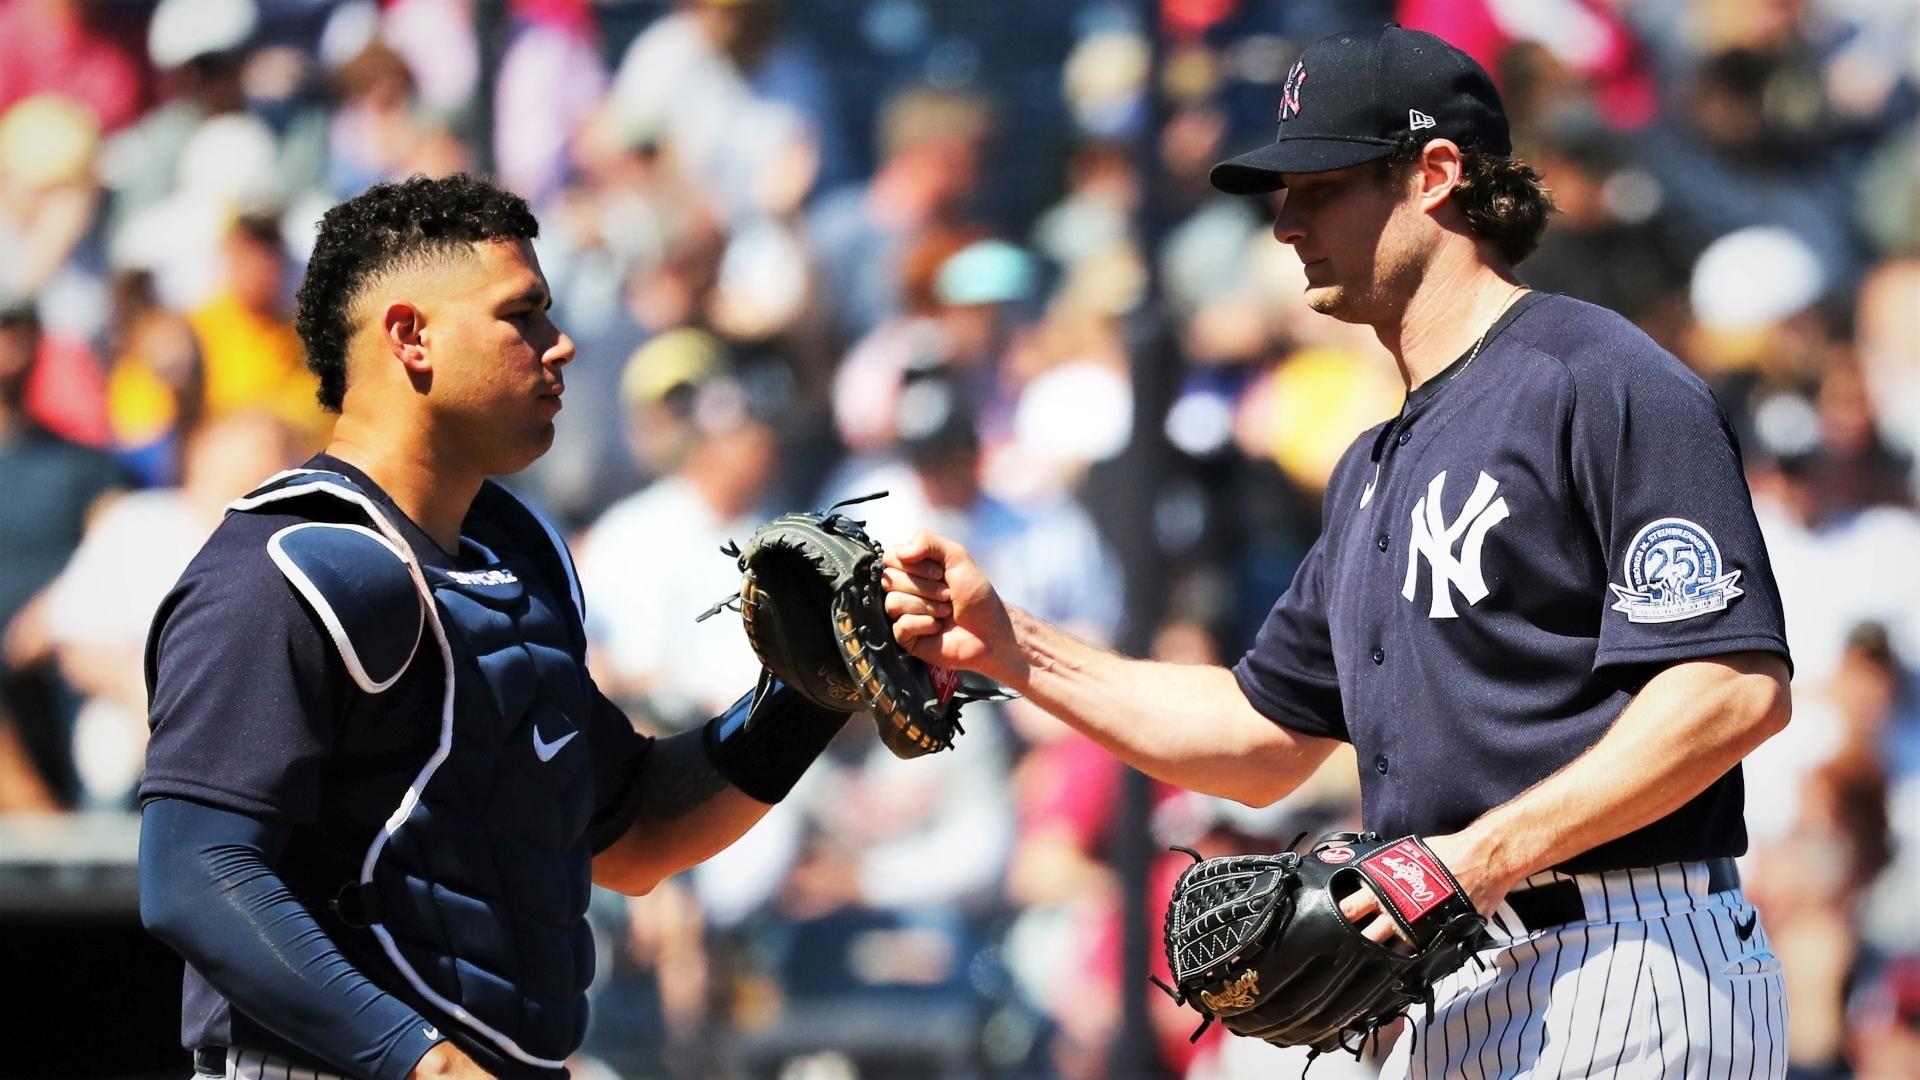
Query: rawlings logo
[(1410, 876), (1238, 994), (945, 680), (1335, 855), (838, 685)]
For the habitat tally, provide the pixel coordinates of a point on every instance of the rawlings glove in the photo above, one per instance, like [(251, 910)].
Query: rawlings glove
[(1258, 941), (814, 608)]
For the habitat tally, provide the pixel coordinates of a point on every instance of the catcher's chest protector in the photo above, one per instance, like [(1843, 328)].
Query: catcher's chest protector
[(477, 887)]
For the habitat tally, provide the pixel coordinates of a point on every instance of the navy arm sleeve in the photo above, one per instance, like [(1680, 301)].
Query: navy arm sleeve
[(208, 889)]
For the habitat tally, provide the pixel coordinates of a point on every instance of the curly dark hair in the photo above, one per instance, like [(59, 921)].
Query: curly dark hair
[(1500, 195), (387, 227)]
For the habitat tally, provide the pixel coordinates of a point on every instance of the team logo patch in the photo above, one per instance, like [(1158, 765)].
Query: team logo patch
[(1335, 855), (1290, 92), (1674, 572)]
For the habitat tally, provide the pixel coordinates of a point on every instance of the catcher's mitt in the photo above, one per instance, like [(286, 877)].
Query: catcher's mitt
[(815, 612), (1258, 941)]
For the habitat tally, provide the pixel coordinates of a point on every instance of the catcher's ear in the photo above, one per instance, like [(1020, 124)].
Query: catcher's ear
[(403, 331)]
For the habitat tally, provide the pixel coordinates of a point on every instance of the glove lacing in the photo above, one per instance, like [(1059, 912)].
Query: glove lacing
[(829, 520)]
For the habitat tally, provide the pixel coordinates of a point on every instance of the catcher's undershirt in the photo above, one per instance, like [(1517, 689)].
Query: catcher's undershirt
[(1551, 455), (253, 711)]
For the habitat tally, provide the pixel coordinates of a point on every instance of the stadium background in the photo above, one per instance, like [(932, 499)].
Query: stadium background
[(964, 251)]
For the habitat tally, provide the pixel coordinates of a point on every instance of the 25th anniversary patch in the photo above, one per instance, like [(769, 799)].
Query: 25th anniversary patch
[(1673, 572)]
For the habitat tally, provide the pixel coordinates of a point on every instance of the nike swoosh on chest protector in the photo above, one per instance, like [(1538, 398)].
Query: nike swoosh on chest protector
[(545, 750)]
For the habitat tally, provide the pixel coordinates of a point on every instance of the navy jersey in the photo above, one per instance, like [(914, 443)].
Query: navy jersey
[(1543, 528), (254, 710)]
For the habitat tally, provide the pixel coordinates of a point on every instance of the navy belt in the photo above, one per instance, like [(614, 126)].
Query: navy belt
[(1558, 902)]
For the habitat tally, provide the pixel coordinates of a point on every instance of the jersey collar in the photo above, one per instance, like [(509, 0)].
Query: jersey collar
[(1419, 396)]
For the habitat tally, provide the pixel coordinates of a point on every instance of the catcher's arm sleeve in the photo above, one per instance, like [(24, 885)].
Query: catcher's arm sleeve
[(208, 889), (698, 791)]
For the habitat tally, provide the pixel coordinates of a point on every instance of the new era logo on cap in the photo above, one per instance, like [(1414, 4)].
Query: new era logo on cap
[(1417, 120)]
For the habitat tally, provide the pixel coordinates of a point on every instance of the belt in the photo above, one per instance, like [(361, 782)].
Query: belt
[(210, 1061), (1558, 902)]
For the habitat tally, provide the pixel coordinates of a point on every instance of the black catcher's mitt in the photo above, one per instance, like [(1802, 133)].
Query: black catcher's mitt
[(1258, 941), (815, 612)]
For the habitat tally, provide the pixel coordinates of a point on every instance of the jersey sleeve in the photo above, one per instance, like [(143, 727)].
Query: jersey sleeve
[(245, 686), (1657, 470), (1289, 674)]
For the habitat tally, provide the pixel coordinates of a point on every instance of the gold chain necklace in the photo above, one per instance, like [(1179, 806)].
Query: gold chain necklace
[(1488, 332)]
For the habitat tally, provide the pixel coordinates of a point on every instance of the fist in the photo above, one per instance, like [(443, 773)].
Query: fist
[(945, 611)]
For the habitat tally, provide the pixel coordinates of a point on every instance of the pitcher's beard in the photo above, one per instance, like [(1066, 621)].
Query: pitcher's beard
[(1336, 301), (1327, 299)]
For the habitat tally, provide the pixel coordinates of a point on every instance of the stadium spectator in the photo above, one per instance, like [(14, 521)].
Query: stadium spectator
[(705, 430), (98, 610), (930, 144), (812, 187), (51, 485)]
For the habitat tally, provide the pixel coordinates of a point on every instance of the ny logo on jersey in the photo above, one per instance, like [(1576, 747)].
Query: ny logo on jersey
[(1434, 539)]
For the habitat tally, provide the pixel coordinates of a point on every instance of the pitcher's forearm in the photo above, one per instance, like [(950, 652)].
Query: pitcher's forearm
[(1187, 724), (1685, 729)]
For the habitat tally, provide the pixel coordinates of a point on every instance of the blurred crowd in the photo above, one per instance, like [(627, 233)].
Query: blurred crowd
[(811, 249)]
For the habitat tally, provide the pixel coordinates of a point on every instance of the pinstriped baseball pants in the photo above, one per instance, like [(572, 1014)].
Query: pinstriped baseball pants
[(1661, 980), (254, 1065)]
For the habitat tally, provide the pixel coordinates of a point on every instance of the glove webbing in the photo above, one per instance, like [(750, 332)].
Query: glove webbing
[(1178, 997), (731, 549)]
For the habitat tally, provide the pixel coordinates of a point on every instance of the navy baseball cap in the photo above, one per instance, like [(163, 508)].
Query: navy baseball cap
[(1353, 96)]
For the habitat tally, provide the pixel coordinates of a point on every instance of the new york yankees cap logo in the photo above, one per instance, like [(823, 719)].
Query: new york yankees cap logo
[(1290, 93), (1371, 88)]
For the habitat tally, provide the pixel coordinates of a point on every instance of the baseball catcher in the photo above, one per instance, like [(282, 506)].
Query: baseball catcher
[(1259, 942), (815, 612)]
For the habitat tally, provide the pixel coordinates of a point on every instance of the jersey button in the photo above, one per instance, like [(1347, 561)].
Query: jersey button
[(1404, 436), (1383, 541), (1379, 656), (1380, 764)]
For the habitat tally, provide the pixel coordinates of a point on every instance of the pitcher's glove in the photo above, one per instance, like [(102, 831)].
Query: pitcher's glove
[(815, 612), (1258, 941)]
